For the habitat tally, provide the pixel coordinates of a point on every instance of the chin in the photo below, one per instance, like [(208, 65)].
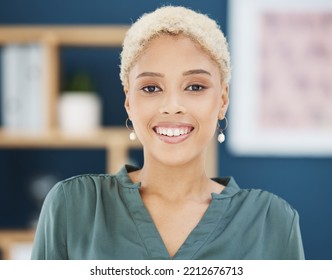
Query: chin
[(174, 157)]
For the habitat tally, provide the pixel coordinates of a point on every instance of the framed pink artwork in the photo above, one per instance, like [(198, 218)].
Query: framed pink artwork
[(281, 87)]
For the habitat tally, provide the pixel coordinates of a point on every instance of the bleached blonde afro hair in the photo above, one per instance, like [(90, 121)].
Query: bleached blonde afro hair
[(175, 21)]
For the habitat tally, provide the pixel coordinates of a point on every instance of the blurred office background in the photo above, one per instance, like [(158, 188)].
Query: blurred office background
[(304, 181)]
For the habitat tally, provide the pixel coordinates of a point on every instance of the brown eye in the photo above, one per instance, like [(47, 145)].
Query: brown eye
[(195, 87), (151, 89)]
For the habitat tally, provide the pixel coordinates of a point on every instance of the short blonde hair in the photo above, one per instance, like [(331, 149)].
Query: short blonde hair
[(174, 21)]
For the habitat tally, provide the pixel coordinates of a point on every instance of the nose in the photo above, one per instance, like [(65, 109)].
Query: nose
[(172, 104)]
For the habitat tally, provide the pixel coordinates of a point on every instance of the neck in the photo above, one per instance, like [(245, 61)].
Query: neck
[(187, 181)]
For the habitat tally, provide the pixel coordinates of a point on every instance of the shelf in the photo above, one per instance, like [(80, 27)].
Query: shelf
[(114, 139), (66, 35), (103, 138)]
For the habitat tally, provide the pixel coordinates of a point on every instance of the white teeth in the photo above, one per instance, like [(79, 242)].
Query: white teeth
[(170, 132)]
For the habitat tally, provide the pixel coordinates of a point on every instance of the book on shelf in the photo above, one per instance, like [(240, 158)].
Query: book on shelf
[(23, 83)]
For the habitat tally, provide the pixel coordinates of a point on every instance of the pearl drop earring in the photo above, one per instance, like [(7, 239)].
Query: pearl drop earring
[(221, 136), (132, 135)]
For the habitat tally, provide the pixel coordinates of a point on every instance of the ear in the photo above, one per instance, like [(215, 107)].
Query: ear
[(126, 104), (224, 101)]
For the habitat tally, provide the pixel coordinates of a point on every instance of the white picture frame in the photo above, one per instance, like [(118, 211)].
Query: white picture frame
[(253, 129)]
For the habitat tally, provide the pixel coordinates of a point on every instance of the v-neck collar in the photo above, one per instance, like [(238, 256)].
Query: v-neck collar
[(148, 231)]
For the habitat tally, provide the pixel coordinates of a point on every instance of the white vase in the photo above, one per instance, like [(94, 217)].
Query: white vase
[(79, 112)]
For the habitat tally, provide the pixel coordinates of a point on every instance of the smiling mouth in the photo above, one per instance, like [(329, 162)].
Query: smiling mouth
[(173, 131)]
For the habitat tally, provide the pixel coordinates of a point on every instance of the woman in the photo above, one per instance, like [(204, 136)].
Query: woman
[(175, 69)]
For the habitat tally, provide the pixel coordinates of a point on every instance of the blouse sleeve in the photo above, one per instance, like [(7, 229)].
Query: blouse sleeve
[(283, 231), (295, 250), (50, 238)]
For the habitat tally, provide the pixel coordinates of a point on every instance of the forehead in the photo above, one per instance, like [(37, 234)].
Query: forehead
[(174, 50)]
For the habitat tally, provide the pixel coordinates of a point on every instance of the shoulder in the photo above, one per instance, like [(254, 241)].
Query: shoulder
[(258, 201), (90, 190), (270, 205), (93, 182), (81, 187), (85, 182), (271, 200)]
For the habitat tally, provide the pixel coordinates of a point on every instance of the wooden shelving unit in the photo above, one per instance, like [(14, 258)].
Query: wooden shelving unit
[(114, 139), (51, 37)]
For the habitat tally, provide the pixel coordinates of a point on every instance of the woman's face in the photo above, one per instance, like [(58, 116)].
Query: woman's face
[(174, 99)]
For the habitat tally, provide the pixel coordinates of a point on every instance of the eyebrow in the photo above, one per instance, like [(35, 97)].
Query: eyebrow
[(186, 73), (149, 74), (196, 71)]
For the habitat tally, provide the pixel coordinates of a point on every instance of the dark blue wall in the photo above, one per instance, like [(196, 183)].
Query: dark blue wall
[(304, 182)]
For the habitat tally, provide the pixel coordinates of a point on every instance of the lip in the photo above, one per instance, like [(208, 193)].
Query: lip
[(173, 139)]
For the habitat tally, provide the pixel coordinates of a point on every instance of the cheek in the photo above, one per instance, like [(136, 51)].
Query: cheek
[(206, 108), (207, 115), (140, 110)]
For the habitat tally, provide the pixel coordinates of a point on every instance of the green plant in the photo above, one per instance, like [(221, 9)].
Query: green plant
[(81, 82)]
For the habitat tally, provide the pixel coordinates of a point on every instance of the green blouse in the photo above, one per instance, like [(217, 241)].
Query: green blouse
[(103, 217)]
